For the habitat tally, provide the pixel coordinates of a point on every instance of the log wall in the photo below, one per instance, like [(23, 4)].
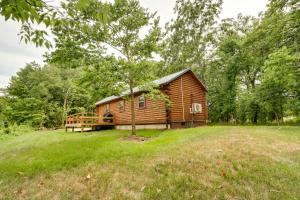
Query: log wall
[(153, 113)]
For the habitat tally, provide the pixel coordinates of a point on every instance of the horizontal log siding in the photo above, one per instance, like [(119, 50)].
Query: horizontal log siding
[(153, 113), (190, 87)]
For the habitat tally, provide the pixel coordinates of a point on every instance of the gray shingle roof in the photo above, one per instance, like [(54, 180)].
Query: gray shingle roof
[(161, 81)]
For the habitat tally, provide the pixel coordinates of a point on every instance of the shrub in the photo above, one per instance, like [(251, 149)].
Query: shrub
[(16, 129), (7, 130)]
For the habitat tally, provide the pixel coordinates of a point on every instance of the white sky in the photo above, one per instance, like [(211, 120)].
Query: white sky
[(14, 55)]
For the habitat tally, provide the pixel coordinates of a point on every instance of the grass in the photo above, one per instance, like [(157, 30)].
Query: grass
[(218, 162)]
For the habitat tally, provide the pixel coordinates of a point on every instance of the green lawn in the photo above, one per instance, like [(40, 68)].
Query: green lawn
[(218, 162)]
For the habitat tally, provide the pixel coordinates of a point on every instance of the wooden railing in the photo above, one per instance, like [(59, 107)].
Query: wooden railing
[(86, 120)]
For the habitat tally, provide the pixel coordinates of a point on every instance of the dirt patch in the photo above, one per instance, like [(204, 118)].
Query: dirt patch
[(135, 138)]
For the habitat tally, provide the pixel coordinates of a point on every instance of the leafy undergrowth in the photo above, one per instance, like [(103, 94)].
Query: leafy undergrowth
[(199, 163)]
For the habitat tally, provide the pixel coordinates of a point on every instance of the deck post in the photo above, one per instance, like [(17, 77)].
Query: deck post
[(67, 119), (81, 121)]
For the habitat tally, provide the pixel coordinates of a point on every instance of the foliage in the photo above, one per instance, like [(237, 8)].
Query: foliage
[(15, 130), (42, 97), (253, 74), (38, 16), (30, 13), (279, 93), (191, 34)]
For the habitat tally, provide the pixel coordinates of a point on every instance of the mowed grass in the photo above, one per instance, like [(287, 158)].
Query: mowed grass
[(219, 162)]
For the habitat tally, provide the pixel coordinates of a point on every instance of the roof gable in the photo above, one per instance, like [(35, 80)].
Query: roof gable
[(161, 81)]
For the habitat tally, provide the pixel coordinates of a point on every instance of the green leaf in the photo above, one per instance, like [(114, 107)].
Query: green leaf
[(83, 4)]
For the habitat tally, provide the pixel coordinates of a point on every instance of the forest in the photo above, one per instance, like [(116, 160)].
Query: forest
[(250, 65)]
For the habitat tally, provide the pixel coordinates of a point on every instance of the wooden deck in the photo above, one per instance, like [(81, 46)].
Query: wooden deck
[(85, 121)]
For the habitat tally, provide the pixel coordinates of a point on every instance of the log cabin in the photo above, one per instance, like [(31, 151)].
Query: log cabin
[(188, 108)]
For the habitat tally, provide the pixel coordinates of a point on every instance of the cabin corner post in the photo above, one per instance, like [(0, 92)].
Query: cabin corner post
[(206, 107), (167, 104), (182, 99)]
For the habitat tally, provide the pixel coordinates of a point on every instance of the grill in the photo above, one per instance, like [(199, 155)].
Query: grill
[(107, 117)]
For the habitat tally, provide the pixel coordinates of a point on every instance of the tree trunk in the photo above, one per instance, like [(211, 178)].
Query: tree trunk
[(255, 117), (281, 114), (133, 131), (65, 106), (277, 119)]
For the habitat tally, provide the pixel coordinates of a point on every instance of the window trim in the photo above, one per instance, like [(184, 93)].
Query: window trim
[(142, 95), (107, 107), (121, 101)]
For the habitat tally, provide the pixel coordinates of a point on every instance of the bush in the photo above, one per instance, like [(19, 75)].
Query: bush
[(16, 129), (7, 130)]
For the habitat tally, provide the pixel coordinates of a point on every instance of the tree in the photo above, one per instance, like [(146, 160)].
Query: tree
[(222, 74), (236, 75), (42, 96), (3, 107), (29, 13), (280, 83), (128, 19), (190, 36), (121, 36)]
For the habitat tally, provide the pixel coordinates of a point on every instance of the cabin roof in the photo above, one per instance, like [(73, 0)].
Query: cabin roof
[(169, 78), (161, 81)]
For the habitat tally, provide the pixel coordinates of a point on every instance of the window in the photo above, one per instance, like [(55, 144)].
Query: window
[(122, 105), (142, 101), (107, 108)]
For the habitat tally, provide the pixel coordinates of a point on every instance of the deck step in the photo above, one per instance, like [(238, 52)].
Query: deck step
[(84, 129)]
